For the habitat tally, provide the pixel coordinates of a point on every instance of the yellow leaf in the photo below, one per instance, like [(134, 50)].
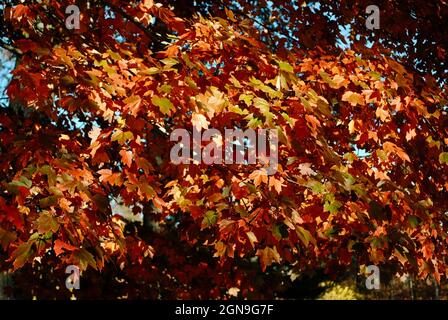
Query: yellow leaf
[(353, 98), (391, 147), (351, 126), (410, 134), (233, 291), (259, 176), (164, 104), (133, 104), (229, 14), (382, 114), (338, 81), (212, 101), (199, 121), (252, 238), (285, 66), (276, 183)]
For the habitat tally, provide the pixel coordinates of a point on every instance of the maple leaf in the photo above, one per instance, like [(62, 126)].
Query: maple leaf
[(233, 291), (148, 4), (133, 104), (285, 66), (261, 104), (252, 238), (60, 246), (213, 101), (199, 121), (84, 258), (210, 218), (391, 147), (46, 222), (126, 157), (411, 134), (121, 136), (305, 169), (164, 104), (353, 98), (259, 176), (382, 114), (338, 81), (94, 133), (276, 183), (22, 254)]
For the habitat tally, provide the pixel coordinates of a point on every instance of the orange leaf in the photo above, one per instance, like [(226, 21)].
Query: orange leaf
[(59, 247), (353, 98), (268, 256), (259, 176), (126, 157)]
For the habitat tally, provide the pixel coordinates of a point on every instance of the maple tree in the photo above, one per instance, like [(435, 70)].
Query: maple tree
[(362, 166)]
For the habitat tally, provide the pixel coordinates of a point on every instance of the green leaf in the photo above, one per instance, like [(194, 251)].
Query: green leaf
[(262, 104), (241, 211), (254, 123), (331, 204), (326, 77), (48, 201), (305, 236), (191, 83), (323, 107), (375, 75), (226, 192), (413, 221), (353, 98), (377, 242), (22, 182), (150, 71), (235, 81), (166, 88), (169, 62), (306, 103), (122, 137), (210, 218), (276, 232), (247, 98), (288, 119), (285, 66), (316, 187), (164, 104), (255, 82), (381, 154)]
